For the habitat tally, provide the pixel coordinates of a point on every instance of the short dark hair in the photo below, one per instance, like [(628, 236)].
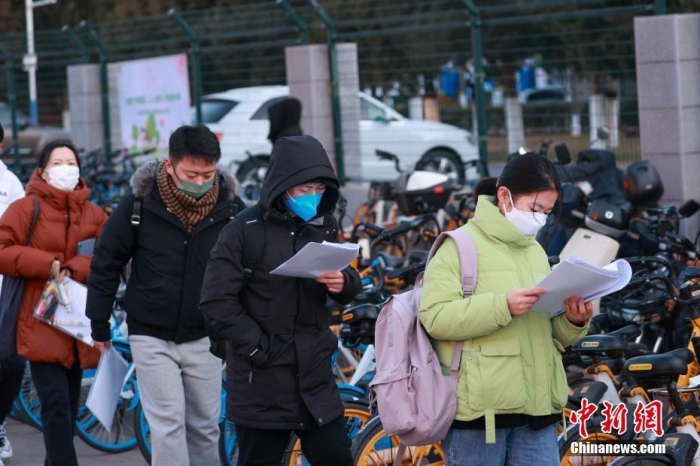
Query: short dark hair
[(48, 148), (523, 174), (2, 133), (194, 141)]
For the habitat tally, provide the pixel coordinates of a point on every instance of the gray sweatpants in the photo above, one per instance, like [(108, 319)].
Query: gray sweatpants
[(180, 389)]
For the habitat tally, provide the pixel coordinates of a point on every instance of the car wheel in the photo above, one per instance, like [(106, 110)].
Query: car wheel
[(251, 174), (443, 161)]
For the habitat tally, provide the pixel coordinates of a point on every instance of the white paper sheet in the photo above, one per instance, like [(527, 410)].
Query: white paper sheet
[(107, 387), (576, 277), (74, 321), (315, 258)]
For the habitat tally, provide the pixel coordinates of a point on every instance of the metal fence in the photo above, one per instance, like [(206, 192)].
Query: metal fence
[(574, 62)]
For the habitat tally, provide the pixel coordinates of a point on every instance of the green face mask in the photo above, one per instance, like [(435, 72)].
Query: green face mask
[(195, 190)]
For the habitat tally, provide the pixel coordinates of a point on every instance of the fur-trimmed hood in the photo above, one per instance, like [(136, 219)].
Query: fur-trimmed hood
[(144, 179)]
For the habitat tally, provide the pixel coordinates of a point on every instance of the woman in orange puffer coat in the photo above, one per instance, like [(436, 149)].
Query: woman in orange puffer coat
[(66, 218)]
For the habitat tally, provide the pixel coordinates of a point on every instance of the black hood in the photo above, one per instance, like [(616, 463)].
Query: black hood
[(296, 160), (284, 119)]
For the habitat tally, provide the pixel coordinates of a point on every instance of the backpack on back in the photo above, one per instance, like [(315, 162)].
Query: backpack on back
[(416, 401)]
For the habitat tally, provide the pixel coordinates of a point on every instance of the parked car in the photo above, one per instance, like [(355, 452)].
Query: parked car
[(32, 139), (239, 117)]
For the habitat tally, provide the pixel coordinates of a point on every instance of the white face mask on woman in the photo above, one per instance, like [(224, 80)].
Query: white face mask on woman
[(527, 223), (64, 177)]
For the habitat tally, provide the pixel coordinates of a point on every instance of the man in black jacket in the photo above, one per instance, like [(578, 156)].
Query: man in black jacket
[(167, 229), (280, 345)]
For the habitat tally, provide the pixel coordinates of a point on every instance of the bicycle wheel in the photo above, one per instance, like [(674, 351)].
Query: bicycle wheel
[(371, 446), (122, 436), (364, 213), (228, 449), (356, 414), (29, 406), (595, 435), (143, 433)]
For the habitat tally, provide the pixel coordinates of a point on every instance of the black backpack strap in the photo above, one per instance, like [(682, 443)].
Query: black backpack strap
[(35, 216), (136, 213), (253, 240)]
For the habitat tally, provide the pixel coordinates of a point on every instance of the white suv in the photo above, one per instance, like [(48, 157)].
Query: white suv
[(239, 118)]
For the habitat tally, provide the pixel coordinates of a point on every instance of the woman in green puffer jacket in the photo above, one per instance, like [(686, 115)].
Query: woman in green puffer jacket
[(512, 384)]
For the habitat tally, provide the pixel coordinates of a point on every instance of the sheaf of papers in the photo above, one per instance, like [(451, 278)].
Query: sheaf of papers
[(73, 321), (315, 258), (694, 381), (576, 277), (107, 387)]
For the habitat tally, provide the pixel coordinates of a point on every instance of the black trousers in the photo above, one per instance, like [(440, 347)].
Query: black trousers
[(58, 389), (322, 446), (10, 384)]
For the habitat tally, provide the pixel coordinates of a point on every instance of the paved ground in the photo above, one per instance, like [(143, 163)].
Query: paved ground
[(28, 445)]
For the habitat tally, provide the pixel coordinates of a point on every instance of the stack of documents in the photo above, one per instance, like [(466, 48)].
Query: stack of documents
[(315, 258), (576, 277), (106, 389), (71, 318)]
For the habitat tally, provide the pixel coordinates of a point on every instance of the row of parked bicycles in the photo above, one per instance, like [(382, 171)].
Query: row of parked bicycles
[(641, 349)]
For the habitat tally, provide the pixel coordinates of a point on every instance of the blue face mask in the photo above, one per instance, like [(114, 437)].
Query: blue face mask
[(304, 206)]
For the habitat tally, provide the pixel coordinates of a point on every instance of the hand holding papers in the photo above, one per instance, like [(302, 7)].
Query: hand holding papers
[(576, 277), (315, 258)]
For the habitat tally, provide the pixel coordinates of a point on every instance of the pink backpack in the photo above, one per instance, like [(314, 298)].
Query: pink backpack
[(416, 401)]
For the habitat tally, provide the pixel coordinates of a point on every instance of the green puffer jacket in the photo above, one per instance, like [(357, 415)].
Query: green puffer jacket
[(510, 365)]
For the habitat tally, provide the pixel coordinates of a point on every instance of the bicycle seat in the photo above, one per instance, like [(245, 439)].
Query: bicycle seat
[(600, 344), (418, 255), (691, 273), (671, 363), (628, 332), (390, 261), (599, 322)]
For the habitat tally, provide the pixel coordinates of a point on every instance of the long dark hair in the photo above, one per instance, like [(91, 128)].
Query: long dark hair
[(48, 148), (523, 174)]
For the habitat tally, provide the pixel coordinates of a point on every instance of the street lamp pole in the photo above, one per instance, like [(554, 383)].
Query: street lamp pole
[(30, 60)]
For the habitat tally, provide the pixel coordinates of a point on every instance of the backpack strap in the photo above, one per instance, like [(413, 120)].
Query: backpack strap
[(467, 257), (136, 213), (253, 240), (466, 250), (399, 454), (35, 216)]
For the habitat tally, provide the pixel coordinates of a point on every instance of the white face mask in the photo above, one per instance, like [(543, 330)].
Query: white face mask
[(64, 177), (527, 223)]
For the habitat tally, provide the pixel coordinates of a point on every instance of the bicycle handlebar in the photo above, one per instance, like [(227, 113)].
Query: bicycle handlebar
[(400, 273)]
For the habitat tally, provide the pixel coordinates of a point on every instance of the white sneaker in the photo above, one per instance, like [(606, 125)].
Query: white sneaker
[(5, 447), (1, 462)]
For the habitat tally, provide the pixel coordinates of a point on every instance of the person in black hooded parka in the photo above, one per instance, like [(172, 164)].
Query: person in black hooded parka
[(279, 344), (284, 119)]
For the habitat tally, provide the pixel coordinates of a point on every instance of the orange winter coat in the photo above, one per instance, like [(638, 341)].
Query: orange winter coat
[(65, 219)]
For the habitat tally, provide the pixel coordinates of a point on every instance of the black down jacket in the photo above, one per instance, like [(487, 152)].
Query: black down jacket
[(162, 295), (279, 342)]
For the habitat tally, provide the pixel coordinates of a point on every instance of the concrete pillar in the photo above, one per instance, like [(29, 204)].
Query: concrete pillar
[(415, 108), (667, 50), (349, 85), (115, 117), (85, 106), (431, 109), (596, 118), (308, 76), (576, 124), (515, 125)]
